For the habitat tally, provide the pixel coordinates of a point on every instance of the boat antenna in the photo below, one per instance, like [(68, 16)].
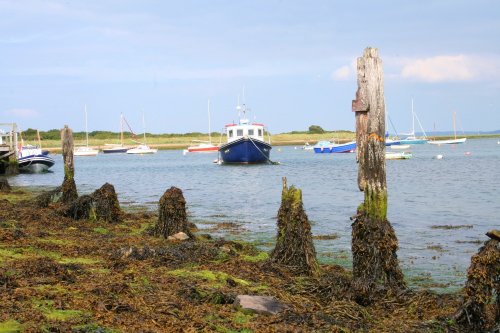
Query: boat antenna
[(121, 128), (39, 140), (144, 127), (209, 134)]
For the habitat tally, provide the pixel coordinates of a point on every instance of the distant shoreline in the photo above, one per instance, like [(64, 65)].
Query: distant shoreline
[(182, 142)]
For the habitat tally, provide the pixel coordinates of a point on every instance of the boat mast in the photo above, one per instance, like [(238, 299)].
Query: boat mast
[(144, 127), (121, 129), (209, 135), (412, 119), (86, 129), (454, 127), (39, 141)]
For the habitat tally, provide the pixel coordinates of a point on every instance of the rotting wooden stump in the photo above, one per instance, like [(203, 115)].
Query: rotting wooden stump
[(294, 245), (172, 215), (4, 185), (101, 205), (106, 205), (483, 283), (68, 188), (81, 209), (374, 243)]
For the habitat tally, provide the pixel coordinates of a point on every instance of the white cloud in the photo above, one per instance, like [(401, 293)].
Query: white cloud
[(441, 68), (342, 73), (22, 113), (346, 72)]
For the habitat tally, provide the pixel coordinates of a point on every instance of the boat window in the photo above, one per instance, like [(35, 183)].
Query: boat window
[(260, 131), (250, 132), (239, 132), (230, 133)]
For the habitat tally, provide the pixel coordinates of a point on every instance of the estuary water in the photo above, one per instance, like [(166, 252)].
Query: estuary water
[(426, 197)]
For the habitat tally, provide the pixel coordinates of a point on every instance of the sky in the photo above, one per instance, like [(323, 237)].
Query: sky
[(291, 62)]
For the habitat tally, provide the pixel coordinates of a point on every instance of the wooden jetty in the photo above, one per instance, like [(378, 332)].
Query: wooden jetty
[(8, 148)]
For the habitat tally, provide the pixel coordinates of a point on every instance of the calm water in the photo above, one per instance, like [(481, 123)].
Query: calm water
[(458, 190)]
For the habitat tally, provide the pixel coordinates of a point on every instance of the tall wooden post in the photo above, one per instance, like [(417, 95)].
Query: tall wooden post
[(69, 192), (374, 243)]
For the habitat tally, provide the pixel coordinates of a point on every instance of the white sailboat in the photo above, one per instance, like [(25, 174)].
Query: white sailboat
[(451, 141), (85, 150), (143, 148), (411, 139), (204, 146), (116, 148)]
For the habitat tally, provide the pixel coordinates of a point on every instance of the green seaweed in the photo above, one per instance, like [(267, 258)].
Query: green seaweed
[(10, 326)]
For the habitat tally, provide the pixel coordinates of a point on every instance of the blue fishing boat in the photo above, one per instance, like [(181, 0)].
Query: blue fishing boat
[(245, 142), (323, 147)]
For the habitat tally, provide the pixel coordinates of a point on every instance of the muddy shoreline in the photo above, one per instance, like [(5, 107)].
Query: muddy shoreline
[(61, 275)]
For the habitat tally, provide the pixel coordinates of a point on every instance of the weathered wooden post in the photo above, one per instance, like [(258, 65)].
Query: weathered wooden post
[(374, 243), (68, 188), (483, 282), (4, 185), (294, 245), (172, 215)]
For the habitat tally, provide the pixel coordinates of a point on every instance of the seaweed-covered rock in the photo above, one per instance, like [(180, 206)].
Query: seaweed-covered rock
[(44, 199), (294, 245), (172, 215), (81, 209), (483, 283), (4, 185), (106, 205)]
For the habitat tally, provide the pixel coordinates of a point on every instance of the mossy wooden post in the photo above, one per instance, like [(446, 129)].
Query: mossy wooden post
[(483, 282), (172, 215), (294, 245), (374, 243), (68, 188)]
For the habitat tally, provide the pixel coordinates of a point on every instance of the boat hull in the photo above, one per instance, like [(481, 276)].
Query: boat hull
[(448, 142), (245, 151), (413, 141), (35, 163), (119, 150), (203, 149), (336, 148)]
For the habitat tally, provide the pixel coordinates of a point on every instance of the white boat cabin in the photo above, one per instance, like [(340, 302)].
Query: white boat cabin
[(244, 129)]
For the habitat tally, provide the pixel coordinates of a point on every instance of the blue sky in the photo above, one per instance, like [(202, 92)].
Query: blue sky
[(294, 59)]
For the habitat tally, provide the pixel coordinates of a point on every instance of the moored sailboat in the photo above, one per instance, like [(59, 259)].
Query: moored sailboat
[(85, 150), (450, 141), (116, 148), (143, 148), (204, 146)]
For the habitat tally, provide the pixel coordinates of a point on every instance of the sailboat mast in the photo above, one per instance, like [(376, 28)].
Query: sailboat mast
[(39, 140), (121, 129), (144, 127), (209, 134), (412, 119), (454, 126), (86, 129)]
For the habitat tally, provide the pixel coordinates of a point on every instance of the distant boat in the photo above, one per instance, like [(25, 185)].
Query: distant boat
[(398, 155), (86, 150), (143, 148), (323, 147), (392, 142), (245, 142), (204, 146), (116, 148), (411, 139), (400, 147), (33, 159), (307, 146), (451, 141)]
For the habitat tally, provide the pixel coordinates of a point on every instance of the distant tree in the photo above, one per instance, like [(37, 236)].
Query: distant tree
[(315, 129)]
